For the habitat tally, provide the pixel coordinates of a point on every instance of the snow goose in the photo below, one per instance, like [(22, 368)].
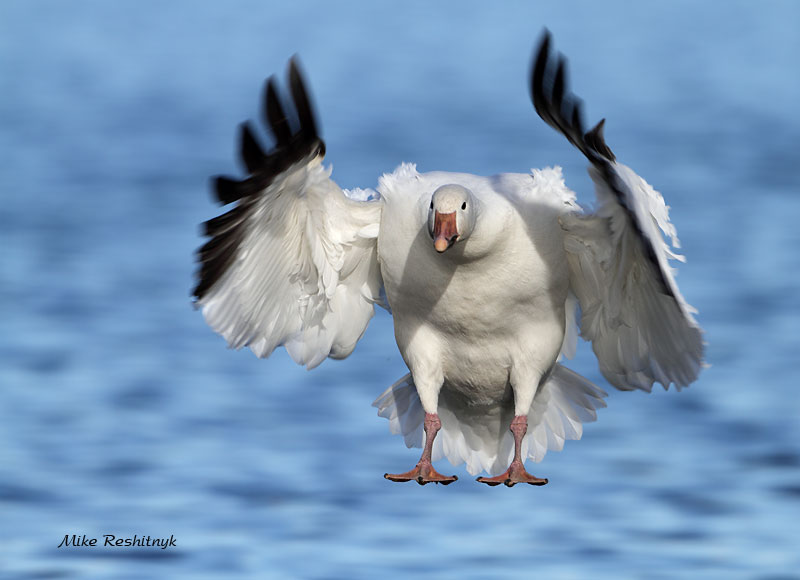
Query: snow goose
[(484, 276)]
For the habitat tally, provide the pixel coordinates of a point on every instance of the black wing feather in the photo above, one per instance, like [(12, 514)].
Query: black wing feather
[(275, 116), (557, 107), (595, 140), (252, 154), (221, 224), (228, 190), (292, 145), (308, 126)]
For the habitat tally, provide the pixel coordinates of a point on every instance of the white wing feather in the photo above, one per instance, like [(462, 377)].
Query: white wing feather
[(641, 331), (306, 275)]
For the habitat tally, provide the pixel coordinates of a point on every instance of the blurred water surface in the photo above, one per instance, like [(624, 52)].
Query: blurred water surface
[(123, 413)]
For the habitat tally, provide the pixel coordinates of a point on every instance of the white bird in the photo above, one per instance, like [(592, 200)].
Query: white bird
[(485, 278)]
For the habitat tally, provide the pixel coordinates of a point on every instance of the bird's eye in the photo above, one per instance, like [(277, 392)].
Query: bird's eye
[(464, 205)]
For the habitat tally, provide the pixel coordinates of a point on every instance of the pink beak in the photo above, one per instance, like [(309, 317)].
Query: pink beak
[(445, 230)]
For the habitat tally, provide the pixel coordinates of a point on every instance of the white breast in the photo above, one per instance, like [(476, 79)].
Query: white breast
[(488, 302)]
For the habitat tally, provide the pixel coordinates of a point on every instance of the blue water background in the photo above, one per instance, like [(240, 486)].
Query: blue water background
[(122, 412)]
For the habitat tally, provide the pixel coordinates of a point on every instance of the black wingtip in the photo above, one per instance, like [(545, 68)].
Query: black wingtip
[(274, 114), (577, 115), (302, 102), (559, 84), (252, 154), (558, 106), (538, 71), (226, 190), (546, 39)]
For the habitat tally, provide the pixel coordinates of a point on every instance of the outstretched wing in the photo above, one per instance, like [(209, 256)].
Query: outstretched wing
[(641, 328), (294, 262)]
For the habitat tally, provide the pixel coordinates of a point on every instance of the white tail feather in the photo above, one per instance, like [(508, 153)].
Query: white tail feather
[(481, 438)]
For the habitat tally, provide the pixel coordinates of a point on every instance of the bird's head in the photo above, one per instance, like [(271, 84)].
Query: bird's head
[(451, 216)]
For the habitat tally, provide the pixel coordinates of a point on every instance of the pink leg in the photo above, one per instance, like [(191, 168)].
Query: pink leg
[(424, 472), (516, 471)]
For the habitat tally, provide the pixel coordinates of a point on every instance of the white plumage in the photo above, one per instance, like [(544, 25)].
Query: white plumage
[(482, 275)]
